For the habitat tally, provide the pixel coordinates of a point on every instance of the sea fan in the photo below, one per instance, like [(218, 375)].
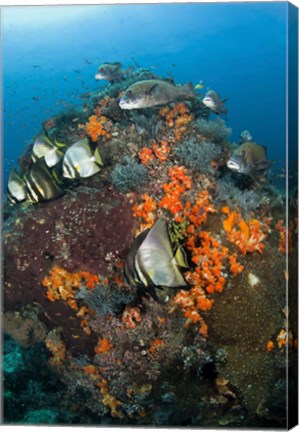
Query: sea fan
[(147, 125), (229, 193), (129, 176), (198, 155), (105, 299), (213, 130)]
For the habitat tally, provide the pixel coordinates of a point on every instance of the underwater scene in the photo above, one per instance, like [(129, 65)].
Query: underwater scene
[(149, 215)]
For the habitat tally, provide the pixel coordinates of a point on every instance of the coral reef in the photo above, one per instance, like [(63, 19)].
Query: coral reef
[(129, 176), (247, 236), (206, 356), (230, 194), (199, 155), (104, 299), (215, 131)]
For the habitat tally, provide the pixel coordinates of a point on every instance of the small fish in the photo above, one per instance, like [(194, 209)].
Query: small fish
[(109, 72), (153, 263), (42, 184), (149, 93), (36, 66), (250, 159), (77, 71), (43, 147), (86, 95), (16, 188), (213, 101), (135, 62), (36, 98), (87, 61), (80, 162), (199, 86), (245, 136)]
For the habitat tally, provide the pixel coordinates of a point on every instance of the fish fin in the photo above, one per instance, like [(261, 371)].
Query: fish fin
[(98, 157), (265, 148), (13, 175), (159, 238), (155, 258), (57, 177), (150, 290), (118, 64), (181, 258), (44, 134), (189, 90), (129, 267), (83, 143), (59, 144), (225, 100), (263, 165), (43, 141), (152, 89)]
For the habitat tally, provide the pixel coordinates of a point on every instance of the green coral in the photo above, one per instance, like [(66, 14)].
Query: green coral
[(129, 176)]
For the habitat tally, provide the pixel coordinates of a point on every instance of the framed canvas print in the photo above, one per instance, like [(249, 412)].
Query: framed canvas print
[(150, 215)]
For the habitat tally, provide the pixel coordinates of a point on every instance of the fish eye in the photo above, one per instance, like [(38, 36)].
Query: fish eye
[(129, 94), (243, 153)]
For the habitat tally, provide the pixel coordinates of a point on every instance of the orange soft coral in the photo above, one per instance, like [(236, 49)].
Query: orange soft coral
[(230, 221), (57, 347), (210, 259), (177, 118), (192, 303), (103, 346), (179, 183), (155, 345), (197, 214), (63, 285), (235, 267), (108, 400), (145, 211), (270, 346), (131, 317), (146, 155), (97, 127), (161, 152), (247, 236)]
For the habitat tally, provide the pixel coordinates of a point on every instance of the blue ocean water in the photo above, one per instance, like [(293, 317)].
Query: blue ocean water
[(50, 54)]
